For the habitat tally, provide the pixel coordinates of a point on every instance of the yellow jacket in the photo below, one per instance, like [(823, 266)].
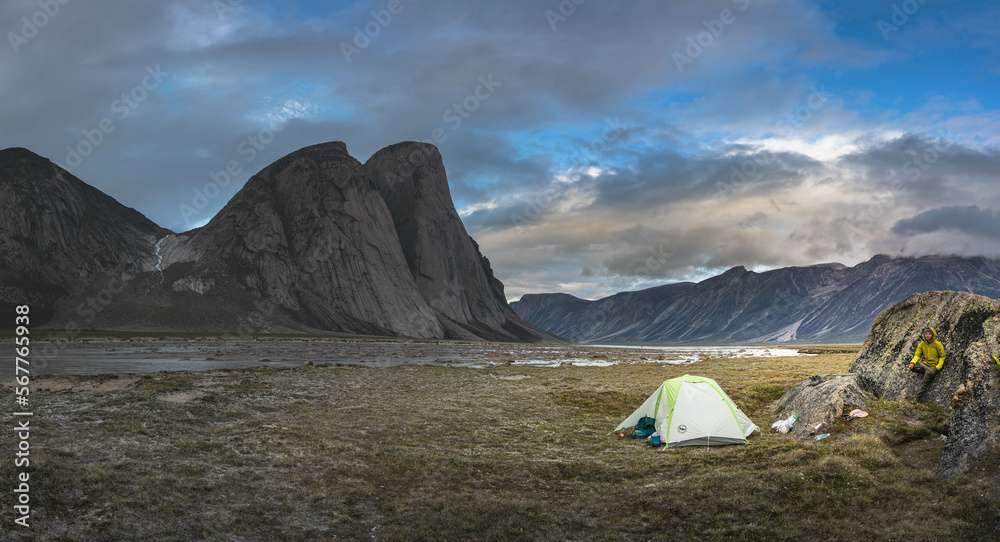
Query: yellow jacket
[(932, 352)]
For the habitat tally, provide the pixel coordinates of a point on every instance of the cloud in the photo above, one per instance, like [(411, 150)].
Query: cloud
[(796, 133), (968, 219)]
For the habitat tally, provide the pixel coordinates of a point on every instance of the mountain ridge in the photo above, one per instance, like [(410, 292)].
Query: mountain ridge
[(826, 302)]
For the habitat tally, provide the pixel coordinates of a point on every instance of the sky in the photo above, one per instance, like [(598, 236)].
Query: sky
[(591, 147)]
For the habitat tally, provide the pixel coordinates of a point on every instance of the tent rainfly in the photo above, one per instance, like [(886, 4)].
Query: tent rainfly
[(693, 411)]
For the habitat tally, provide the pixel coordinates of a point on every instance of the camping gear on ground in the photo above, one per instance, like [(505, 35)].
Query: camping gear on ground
[(655, 440), (693, 411), (645, 427), (856, 413), (823, 436), (819, 428), (784, 426)]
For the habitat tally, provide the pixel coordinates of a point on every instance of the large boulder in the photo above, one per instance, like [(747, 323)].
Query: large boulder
[(967, 326), (821, 399)]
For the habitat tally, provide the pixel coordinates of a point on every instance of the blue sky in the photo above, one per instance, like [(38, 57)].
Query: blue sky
[(590, 148)]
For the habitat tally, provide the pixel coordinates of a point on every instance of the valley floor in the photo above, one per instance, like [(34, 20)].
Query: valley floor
[(414, 451)]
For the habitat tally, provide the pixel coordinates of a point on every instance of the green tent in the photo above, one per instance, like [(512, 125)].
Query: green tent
[(692, 411)]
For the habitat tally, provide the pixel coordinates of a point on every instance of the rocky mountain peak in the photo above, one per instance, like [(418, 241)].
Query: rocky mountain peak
[(439, 253), (308, 244), (20, 155), (410, 170), (56, 231), (311, 232)]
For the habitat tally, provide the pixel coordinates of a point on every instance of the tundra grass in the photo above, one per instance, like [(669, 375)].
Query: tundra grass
[(508, 453)]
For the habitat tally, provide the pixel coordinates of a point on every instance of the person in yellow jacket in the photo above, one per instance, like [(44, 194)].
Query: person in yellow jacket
[(932, 352)]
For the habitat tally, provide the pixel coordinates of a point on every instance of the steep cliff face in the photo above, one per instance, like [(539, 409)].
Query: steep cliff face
[(969, 328), (58, 235), (821, 303), (438, 251), (450, 273)]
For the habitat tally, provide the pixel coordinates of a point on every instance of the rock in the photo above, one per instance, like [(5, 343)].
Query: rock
[(59, 234), (311, 234), (974, 425), (264, 360), (308, 363), (828, 303), (449, 271), (821, 399), (968, 326), (308, 244)]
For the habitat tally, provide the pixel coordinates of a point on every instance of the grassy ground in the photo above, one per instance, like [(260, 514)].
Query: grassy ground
[(510, 453)]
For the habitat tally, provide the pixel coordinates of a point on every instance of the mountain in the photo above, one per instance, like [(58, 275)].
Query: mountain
[(444, 261), (822, 303), (309, 244), (58, 234)]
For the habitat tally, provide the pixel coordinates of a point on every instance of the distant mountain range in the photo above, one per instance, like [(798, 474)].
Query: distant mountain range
[(827, 303), (315, 242)]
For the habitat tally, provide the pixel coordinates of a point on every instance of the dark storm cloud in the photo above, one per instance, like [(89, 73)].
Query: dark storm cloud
[(676, 255), (223, 67), (968, 219), (921, 172), (668, 177), (661, 178)]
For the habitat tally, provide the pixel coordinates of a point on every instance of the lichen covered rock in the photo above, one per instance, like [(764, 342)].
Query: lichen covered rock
[(968, 327), (821, 399)]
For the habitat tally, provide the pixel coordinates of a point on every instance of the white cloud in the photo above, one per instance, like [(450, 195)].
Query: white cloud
[(486, 205)]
